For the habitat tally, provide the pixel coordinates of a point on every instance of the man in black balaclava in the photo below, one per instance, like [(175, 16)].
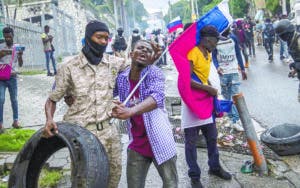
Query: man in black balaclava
[(134, 38), (119, 43), (90, 78), (96, 38), (287, 32)]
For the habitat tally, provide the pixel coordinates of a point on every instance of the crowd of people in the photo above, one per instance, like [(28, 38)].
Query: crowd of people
[(108, 66)]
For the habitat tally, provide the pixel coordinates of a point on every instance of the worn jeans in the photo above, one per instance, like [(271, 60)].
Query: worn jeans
[(230, 86), (269, 48), (49, 55), (283, 49), (251, 46), (12, 86), (138, 166), (190, 136)]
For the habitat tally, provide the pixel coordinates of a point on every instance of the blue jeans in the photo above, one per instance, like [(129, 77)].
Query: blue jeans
[(269, 48), (230, 86), (190, 136), (12, 86), (138, 166), (49, 55), (283, 49)]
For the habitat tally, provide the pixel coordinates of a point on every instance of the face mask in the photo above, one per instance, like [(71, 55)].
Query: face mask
[(93, 51), (120, 33), (97, 49)]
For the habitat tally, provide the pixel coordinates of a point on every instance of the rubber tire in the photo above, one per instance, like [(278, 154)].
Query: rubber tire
[(90, 167), (283, 139)]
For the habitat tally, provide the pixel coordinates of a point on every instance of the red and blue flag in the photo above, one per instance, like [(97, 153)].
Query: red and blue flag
[(198, 101), (175, 24)]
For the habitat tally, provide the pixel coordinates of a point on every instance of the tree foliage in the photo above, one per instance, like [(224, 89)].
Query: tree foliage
[(135, 13), (182, 8), (209, 6), (238, 8)]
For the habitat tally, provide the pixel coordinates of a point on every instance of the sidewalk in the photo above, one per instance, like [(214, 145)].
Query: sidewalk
[(33, 91), (230, 161)]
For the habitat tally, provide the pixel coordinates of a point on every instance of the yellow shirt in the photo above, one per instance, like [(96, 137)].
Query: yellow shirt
[(201, 64)]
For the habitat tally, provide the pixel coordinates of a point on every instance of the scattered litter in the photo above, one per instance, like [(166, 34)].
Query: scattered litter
[(245, 144), (220, 135), (247, 167), (229, 138), (178, 130), (228, 144)]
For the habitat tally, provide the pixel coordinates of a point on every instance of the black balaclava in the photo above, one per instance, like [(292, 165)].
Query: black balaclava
[(93, 51), (120, 31)]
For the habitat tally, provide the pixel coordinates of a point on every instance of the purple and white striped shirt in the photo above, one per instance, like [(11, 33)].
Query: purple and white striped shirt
[(156, 122)]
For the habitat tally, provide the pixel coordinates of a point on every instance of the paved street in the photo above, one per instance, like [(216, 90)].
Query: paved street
[(270, 96)]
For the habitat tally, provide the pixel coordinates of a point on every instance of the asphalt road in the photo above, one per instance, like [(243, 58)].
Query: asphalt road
[(270, 95)]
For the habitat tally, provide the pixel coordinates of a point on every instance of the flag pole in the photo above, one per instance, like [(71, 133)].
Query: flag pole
[(138, 84)]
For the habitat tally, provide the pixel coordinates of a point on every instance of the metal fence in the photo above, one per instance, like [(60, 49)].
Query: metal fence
[(29, 35)]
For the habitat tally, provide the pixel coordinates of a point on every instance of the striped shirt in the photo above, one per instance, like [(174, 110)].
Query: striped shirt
[(156, 122)]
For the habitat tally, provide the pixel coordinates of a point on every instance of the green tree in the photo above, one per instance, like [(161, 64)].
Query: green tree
[(136, 12), (180, 8), (273, 7), (209, 6), (238, 8)]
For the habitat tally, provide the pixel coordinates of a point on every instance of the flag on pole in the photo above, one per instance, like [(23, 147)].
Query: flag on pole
[(175, 24), (198, 101)]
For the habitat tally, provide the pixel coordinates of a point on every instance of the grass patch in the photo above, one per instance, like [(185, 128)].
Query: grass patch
[(3, 185), (32, 72), (14, 139), (50, 178), (59, 59)]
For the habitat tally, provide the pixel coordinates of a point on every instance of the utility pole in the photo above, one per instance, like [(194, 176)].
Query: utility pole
[(283, 4), (170, 10), (123, 17), (197, 10), (193, 16), (116, 14), (133, 13)]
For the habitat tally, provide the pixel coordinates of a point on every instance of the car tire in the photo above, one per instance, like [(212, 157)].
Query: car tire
[(283, 139), (89, 167)]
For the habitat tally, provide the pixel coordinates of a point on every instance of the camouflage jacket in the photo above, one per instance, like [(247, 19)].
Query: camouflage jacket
[(91, 85)]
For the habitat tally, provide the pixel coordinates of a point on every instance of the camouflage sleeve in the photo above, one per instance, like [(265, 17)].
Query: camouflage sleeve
[(62, 83), (122, 64)]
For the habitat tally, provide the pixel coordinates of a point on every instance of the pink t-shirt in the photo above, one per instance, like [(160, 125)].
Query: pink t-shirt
[(140, 142)]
